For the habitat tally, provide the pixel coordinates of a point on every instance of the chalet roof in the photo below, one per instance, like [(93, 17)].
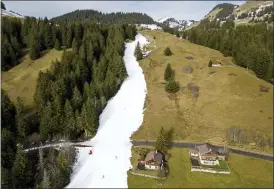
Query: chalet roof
[(206, 148), (209, 155), (193, 150), (156, 156)]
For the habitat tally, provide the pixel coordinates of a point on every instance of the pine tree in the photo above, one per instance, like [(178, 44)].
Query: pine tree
[(69, 36), (172, 86), (47, 122), (3, 5), (48, 36), (89, 116), (34, 52), (161, 142), (210, 64), (69, 122), (20, 170), (138, 52), (82, 52), (87, 92), (74, 46), (89, 54), (77, 98), (57, 45), (167, 52), (168, 73)]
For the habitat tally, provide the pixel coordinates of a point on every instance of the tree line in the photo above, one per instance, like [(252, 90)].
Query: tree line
[(105, 18), (47, 169), (37, 35), (251, 46), (71, 96)]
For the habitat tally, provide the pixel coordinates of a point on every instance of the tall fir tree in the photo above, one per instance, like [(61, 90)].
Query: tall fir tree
[(57, 45), (168, 73), (77, 98), (20, 169), (138, 52)]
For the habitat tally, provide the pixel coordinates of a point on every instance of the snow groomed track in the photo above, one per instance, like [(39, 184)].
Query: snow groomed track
[(108, 165)]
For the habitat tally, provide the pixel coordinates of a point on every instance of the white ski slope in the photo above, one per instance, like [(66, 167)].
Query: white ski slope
[(122, 116)]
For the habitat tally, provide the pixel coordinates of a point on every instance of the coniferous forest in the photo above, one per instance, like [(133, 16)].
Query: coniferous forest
[(251, 46), (105, 18), (69, 97)]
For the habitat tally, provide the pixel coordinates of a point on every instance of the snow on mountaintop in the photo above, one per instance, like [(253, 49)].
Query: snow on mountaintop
[(161, 20), (151, 26), (11, 13)]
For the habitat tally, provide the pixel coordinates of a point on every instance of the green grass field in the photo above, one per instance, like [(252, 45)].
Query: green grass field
[(246, 172), (228, 95), (20, 81)]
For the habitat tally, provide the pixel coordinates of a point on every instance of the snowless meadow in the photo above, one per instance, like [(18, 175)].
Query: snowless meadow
[(108, 165)]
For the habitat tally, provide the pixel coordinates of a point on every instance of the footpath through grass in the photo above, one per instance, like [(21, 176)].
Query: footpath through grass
[(246, 172), (20, 81)]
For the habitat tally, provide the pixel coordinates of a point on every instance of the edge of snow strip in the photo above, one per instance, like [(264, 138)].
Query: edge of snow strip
[(108, 166)]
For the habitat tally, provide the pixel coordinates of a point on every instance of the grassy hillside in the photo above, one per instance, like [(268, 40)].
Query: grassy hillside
[(246, 172), (228, 95), (21, 79)]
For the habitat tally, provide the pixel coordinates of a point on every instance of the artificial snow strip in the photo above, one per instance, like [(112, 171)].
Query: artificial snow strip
[(109, 162)]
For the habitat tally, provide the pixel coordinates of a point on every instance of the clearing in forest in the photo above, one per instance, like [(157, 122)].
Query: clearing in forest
[(20, 81)]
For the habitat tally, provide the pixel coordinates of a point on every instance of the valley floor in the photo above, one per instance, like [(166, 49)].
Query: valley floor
[(108, 165)]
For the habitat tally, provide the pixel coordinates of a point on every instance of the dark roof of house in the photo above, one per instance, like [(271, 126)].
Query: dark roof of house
[(193, 150), (206, 148), (156, 156)]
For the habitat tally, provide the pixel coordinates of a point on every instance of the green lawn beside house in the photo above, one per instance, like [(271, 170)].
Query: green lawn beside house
[(246, 172)]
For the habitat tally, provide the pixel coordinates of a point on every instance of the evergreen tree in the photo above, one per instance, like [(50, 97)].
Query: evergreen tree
[(57, 45), (35, 47), (47, 122), (77, 98), (210, 64), (138, 52), (167, 52), (3, 5), (168, 73), (82, 52), (69, 121), (162, 142), (89, 117), (69, 36), (48, 36), (20, 170), (74, 46), (34, 52), (172, 86)]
